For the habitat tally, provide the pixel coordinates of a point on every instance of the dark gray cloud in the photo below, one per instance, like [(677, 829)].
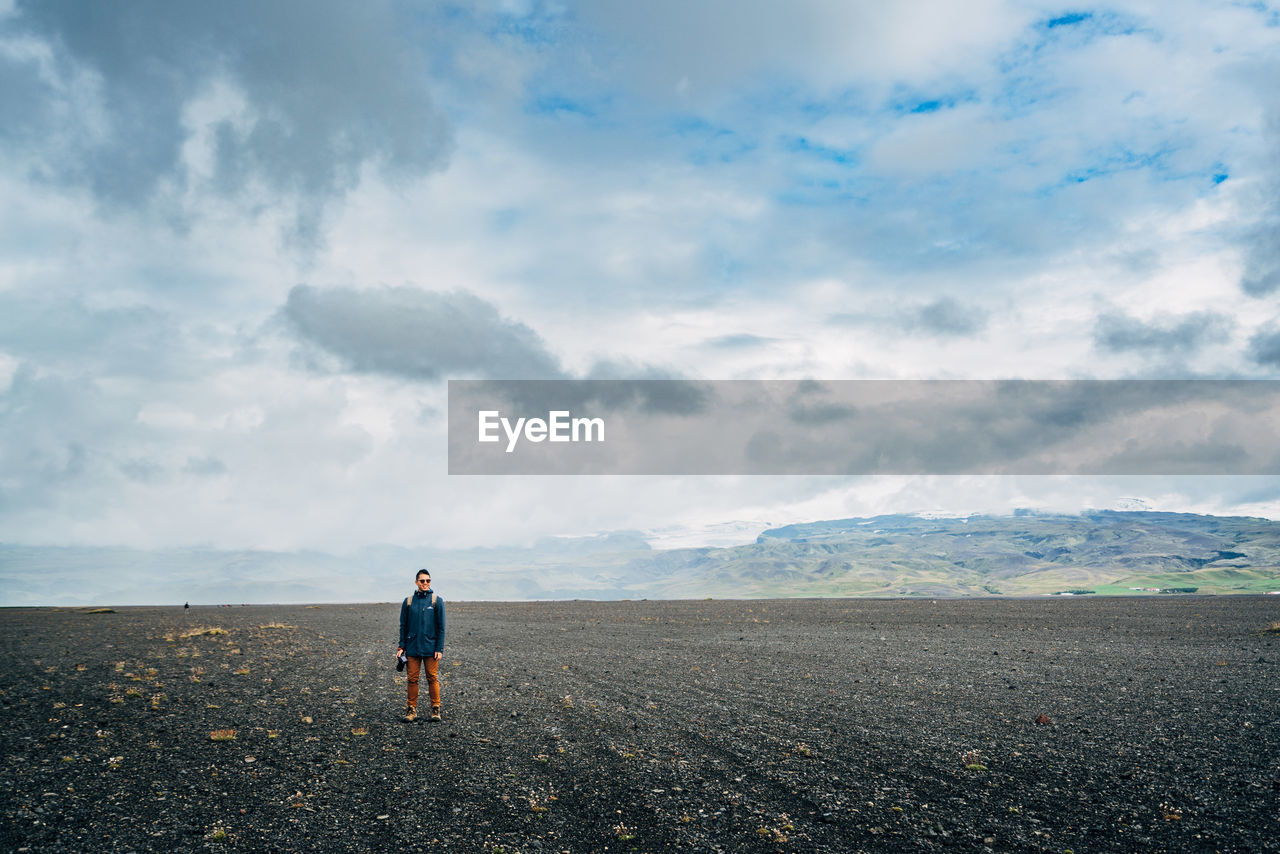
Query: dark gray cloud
[(948, 316), (1262, 252), (612, 383), (1264, 347), (330, 87), (945, 317), (141, 470), (204, 466), (807, 405), (1261, 244), (418, 335), (653, 396), (1118, 332), (739, 341), (621, 368)]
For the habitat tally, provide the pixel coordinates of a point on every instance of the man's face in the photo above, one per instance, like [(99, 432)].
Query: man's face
[(424, 581)]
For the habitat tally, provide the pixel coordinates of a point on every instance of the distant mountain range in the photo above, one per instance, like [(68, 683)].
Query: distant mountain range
[(1103, 553)]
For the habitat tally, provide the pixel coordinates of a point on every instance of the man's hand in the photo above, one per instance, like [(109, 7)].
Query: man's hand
[(439, 655), (399, 651)]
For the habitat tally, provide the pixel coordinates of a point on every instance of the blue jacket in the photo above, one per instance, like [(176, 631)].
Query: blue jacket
[(422, 625)]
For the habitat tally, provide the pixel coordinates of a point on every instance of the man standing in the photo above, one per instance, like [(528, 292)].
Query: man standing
[(422, 640)]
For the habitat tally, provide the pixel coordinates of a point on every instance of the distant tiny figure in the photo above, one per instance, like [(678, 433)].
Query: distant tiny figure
[(186, 606), (422, 640)]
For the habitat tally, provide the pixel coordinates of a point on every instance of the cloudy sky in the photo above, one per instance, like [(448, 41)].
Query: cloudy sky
[(243, 246)]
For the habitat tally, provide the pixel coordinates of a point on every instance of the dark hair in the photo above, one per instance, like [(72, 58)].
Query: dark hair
[(425, 572)]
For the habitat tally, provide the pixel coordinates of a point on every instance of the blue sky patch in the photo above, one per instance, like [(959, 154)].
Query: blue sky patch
[(712, 143), (1068, 20), (562, 105), (918, 103), (802, 145)]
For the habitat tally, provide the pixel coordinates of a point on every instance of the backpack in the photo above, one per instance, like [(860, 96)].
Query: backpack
[(433, 599)]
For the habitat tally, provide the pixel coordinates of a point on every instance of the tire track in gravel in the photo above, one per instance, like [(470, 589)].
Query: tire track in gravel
[(678, 730)]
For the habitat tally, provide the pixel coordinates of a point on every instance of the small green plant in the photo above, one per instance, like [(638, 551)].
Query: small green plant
[(972, 760)]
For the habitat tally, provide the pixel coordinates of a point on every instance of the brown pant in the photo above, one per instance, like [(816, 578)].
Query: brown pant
[(433, 684)]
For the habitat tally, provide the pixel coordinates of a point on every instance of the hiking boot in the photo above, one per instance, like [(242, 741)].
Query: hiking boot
[(410, 715), (435, 713)]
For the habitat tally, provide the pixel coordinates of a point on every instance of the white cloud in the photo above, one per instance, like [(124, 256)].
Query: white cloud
[(716, 47)]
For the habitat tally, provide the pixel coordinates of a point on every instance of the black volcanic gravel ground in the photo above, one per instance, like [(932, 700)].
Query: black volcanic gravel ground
[(778, 726)]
